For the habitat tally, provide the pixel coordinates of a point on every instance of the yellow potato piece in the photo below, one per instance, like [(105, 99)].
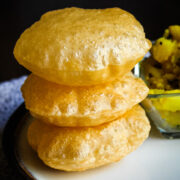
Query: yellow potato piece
[(163, 49), (82, 106), (79, 149), (78, 47), (175, 31)]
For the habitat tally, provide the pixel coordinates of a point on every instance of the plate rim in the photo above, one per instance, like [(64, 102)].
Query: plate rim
[(9, 139)]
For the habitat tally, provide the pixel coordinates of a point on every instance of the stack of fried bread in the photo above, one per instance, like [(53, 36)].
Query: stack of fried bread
[(81, 93)]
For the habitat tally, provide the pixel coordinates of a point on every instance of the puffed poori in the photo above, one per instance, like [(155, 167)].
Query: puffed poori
[(81, 148), (82, 106), (79, 47)]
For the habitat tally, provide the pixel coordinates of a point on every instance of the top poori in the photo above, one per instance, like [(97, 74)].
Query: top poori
[(78, 47)]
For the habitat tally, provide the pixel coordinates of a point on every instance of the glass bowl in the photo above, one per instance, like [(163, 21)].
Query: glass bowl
[(162, 107)]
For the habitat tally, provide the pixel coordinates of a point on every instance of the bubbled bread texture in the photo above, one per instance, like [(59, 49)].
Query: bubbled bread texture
[(82, 106), (74, 46), (78, 149)]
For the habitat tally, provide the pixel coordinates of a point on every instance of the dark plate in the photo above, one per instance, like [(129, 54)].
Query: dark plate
[(9, 141)]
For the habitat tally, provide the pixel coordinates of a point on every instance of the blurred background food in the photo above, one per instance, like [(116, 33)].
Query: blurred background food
[(17, 15), (161, 71), (162, 68)]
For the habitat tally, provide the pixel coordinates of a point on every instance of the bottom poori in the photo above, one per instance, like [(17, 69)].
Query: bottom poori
[(81, 148)]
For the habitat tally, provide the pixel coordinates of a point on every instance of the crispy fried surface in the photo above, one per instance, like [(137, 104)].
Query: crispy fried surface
[(74, 46), (82, 106), (78, 149)]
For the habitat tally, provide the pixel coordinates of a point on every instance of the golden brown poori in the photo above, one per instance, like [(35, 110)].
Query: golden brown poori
[(81, 148), (82, 106), (78, 47)]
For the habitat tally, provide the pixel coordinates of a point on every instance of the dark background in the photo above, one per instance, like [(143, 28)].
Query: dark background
[(17, 15)]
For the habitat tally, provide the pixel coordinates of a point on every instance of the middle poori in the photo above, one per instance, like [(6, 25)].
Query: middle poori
[(82, 106)]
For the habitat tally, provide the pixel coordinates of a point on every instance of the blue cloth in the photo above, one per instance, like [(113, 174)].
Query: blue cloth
[(10, 99)]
